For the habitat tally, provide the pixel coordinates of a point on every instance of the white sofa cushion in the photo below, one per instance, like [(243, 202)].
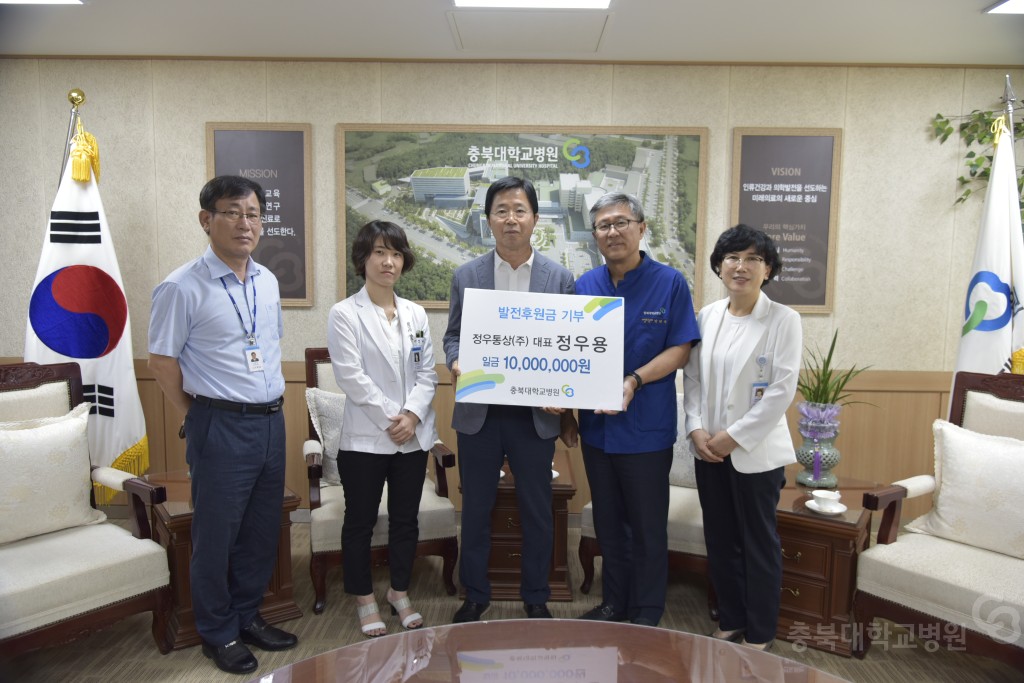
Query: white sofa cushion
[(685, 521), (46, 483), (47, 399), (975, 588), (682, 473), (436, 519), (990, 414), (978, 496), (326, 412), (98, 566)]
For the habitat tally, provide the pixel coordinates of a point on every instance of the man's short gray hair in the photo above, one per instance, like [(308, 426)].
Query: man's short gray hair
[(614, 199)]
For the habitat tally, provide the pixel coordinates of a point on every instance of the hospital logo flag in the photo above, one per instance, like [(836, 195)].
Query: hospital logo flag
[(993, 326)]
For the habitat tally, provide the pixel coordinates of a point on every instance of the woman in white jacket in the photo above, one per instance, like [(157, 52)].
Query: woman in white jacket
[(384, 362), (738, 384)]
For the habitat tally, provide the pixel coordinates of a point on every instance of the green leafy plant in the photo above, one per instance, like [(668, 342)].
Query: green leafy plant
[(820, 382), (975, 130)]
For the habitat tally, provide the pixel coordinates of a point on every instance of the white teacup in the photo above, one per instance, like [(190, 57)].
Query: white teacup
[(827, 500)]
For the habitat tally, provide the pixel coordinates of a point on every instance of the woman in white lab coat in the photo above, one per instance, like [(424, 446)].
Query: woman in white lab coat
[(383, 360), (738, 384)]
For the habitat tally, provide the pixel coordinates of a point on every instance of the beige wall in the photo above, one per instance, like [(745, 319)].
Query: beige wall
[(903, 248)]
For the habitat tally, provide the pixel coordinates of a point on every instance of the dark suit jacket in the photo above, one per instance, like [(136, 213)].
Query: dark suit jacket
[(546, 276)]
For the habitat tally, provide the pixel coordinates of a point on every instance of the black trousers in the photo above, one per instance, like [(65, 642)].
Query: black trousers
[(744, 550), (363, 476), (237, 463), (508, 431), (630, 500)]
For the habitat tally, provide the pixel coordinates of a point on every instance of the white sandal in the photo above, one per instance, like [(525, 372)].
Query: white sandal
[(403, 603), (368, 629)]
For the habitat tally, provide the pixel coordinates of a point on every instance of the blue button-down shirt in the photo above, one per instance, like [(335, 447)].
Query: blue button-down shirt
[(194, 321)]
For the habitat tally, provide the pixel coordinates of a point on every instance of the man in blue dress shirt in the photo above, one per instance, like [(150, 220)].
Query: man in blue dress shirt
[(628, 453), (215, 350)]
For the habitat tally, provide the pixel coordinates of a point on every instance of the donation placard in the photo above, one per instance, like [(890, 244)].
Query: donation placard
[(532, 349), (584, 664)]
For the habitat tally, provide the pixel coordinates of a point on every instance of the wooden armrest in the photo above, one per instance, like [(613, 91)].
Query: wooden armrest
[(313, 452), (890, 499), (140, 494), (443, 459)]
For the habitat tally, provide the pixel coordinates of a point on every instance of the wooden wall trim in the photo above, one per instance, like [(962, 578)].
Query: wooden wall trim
[(885, 438)]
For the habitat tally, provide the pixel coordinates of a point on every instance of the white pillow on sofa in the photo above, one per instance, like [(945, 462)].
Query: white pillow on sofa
[(977, 499), (326, 410), (682, 473), (45, 468)]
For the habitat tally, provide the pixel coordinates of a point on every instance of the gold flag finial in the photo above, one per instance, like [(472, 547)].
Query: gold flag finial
[(85, 153), (76, 97)]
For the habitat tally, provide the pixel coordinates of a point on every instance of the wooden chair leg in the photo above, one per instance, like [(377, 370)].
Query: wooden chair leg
[(318, 574), (589, 549), (450, 557), (164, 642)]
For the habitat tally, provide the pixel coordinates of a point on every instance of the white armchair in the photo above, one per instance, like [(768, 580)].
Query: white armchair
[(64, 571), (958, 578), (327, 499)]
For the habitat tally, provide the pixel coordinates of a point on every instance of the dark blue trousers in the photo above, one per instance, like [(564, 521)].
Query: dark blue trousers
[(630, 500), (744, 550), (237, 465), (363, 476), (507, 431)]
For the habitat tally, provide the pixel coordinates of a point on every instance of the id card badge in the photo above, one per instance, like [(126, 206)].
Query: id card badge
[(757, 390), (417, 354), (254, 358)]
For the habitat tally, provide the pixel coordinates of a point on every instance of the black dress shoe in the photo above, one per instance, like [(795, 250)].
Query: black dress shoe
[(643, 621), (235, 658), (604, 612), (266, 637), (470, 611), (731, 636), (537, 611)]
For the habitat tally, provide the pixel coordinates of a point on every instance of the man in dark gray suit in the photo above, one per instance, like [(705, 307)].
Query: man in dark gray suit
[(487, 434)]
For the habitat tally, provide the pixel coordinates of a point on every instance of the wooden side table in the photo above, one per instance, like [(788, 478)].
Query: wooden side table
[(819, 567), (172, 529), (504, 566)]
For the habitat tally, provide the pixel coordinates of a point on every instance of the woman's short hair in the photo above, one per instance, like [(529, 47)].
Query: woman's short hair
[(741, 237), (394, 238)]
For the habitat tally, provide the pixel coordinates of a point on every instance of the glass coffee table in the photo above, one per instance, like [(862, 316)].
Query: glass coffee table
[(545, 650)]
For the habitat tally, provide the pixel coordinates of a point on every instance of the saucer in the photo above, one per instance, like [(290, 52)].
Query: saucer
[(813, 505)]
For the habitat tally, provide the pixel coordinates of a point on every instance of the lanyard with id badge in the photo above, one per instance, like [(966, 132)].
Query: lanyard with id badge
[(251, 350), (758, 388), (417, 347)]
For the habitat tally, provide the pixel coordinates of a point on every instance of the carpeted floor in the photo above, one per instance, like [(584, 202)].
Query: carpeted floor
[(126, 652)]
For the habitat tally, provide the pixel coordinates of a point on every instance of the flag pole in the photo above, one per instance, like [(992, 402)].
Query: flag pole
[(1009, 97), (76, 96)]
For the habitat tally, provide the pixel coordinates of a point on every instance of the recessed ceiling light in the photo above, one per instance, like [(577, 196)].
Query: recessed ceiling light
[(1006, 7), (535, 4), (40, 2)]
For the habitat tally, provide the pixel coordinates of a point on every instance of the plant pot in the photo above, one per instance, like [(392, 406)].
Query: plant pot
[(819, 426)]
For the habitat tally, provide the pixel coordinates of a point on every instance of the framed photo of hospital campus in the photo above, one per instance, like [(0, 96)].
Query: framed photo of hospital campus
[(432, 181), (785, 183), (277, 156)]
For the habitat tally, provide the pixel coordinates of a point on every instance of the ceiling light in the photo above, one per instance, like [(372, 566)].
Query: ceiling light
[(1006, 7), (535, 4), (40, 2)]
